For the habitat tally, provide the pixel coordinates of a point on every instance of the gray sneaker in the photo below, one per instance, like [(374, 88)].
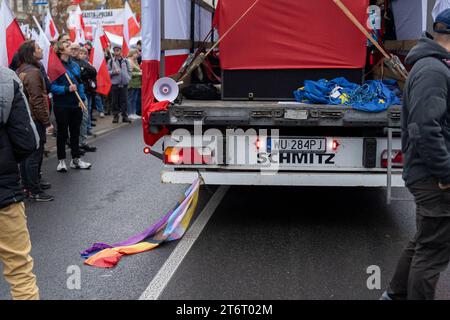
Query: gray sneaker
[(77, 163)]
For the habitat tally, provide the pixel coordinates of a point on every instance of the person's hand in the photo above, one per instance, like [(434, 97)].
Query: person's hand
[(444, 186), (49, 130), (73, 88)]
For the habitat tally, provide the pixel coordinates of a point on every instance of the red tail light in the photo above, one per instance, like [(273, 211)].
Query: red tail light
[(335, 145), (188, 155), (258, 144), (396, 158)]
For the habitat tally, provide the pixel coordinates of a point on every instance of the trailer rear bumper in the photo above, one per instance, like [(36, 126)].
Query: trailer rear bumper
[(330, 179)]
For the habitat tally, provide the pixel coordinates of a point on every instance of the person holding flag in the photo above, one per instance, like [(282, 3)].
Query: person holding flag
[(68, 109)]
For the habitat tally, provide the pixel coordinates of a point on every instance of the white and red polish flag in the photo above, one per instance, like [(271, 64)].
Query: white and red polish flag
[(53, 66), (130, 28), (103, 37), (76, 26), (50, 28), (151, 56), (97, 59), (11, 36)]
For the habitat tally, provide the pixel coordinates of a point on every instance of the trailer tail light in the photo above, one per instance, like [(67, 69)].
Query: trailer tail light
[(333, 145), (147, 150), (396, 158), (258, 144), (188, 155)]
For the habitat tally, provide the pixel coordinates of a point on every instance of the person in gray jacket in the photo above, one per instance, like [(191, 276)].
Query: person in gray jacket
[(120, 72), (426, 149), (18, 140)]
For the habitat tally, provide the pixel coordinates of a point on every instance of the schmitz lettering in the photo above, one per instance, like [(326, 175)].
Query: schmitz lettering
[(297, 158)]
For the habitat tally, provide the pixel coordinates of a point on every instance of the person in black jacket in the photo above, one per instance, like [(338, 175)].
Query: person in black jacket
[(18, 139), (426, 149)]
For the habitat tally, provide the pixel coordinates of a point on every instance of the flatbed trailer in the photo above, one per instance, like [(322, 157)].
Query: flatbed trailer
[(280, 143)]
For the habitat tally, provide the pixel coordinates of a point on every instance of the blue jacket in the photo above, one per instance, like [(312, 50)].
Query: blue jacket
[(62, 97)]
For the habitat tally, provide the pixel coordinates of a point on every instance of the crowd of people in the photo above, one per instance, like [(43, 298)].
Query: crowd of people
[(33, 107), (65, 107)]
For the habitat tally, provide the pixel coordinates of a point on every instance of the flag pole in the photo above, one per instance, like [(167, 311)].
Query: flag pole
[(82, 105), (391, 60)]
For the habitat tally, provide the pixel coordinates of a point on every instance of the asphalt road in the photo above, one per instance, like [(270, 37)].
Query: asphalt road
[(297, 243), (260, 243), (120, 196)]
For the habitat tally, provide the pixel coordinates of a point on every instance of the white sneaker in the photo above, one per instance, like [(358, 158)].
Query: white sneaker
[(77, 163), (102, 114), (62, 167)]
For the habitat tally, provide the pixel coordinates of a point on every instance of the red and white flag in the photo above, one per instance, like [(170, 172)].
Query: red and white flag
[(130, 28), (76, 26), (97, 59), (103, 37), (11, 36), (50, 28), (53, 66), (151, 56)]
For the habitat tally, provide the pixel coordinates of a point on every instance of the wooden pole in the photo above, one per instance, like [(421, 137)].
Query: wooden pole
[(82, 105), (389, 57), (355, 21)]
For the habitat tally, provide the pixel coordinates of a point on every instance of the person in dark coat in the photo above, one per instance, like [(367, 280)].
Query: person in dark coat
[(426, 150)]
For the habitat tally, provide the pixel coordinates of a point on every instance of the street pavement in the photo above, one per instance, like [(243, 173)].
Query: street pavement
[(120, 196), (260, 243), (297, 244)]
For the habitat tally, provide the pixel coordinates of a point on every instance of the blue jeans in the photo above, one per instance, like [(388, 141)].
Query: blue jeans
[(85, 123), (134, 101), (99, 103), (89, 98)]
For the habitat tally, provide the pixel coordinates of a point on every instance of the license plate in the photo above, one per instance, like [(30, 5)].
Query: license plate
[(297, 145)]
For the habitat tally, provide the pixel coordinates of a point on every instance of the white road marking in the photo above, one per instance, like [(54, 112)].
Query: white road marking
[(162, 278)]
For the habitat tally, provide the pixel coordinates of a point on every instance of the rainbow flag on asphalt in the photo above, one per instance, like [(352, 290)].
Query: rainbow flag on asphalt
[(171, 227)]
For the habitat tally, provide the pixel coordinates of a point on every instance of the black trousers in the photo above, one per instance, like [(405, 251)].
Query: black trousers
[(428, 253), (30, 168), (68, 120), (119, 100)]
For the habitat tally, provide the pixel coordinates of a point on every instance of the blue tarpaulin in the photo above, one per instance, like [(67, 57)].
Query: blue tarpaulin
[(372, 96)]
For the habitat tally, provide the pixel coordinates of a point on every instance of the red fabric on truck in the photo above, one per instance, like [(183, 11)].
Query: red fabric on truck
[(286, 34)]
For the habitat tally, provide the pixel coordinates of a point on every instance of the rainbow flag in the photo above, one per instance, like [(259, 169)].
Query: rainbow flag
[(171, 227)]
